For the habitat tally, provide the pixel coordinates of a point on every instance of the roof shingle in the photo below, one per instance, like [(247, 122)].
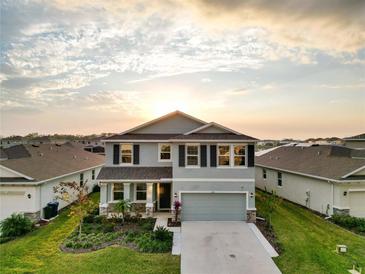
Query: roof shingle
[(135, 173)]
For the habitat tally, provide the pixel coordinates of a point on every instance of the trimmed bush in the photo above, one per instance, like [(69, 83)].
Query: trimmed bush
[(161, 234), (146, 242), (15, 225), (353, 223), (91, 240), (96, 188)]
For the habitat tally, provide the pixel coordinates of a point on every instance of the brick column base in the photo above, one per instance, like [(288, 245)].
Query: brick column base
[(251, 216)]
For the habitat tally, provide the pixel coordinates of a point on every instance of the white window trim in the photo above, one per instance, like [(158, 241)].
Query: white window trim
[(159, 153), (113, 200), (135, 193), (186, 155), (121, 155), (231, 156)]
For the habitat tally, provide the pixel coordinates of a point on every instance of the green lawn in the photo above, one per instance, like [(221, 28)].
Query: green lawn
[(308, 247), (309, 242), (38, 252)]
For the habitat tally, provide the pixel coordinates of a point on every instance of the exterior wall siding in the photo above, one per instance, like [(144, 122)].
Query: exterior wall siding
[(295, 187), (355, 144)]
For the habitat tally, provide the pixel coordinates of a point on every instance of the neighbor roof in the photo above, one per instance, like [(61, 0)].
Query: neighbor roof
[(326, 161), (48, 161), (135, 173), (360, 137)]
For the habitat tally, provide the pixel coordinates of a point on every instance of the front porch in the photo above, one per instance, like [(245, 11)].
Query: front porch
[(146, 197)]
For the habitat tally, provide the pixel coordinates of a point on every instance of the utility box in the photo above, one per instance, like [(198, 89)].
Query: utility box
[(341, 248)]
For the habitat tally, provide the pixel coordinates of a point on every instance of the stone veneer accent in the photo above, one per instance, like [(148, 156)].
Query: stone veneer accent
[(34, 216), (251, 216), (341, 211)]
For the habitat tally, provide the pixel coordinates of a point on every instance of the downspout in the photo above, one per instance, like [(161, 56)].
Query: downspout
[(333, 195)]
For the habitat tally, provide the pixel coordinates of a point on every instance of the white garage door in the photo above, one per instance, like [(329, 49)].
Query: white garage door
[(10, 202), (357, 203), (213, 207)]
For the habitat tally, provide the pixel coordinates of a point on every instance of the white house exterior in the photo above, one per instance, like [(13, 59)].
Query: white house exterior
[(30, 172), (325, 178), (206, 166), (357, 142)]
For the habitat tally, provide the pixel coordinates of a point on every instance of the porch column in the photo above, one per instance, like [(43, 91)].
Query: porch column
[(103, 206), (149, 202), (127, 191)]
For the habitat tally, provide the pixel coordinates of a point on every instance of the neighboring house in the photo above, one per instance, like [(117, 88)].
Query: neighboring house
[(206, 166), (325, 178), (28, 174), (357, 141), (12, 141)]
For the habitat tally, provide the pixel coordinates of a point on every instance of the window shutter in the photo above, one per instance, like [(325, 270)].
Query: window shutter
[(203, 155), (213, 155), (136, 154), (251, 155), (181, 155), (116, 151)]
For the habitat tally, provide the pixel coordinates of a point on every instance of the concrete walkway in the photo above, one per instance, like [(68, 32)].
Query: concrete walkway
[(223, 248)]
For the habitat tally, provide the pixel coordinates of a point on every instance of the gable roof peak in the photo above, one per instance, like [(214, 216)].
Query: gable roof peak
[(213, 124)]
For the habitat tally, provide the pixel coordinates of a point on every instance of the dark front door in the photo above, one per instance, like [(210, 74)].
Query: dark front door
[(165, 196)]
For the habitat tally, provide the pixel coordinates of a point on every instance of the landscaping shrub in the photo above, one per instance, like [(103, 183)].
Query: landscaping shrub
[(15, 225), (89, 219), (349, 222), (89, 240), (109, 227), (96, 188), (161, 234), (147, 224), (146, 242), (100, 219)]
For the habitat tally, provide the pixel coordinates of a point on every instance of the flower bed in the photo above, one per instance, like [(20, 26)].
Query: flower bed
[(137, 233)]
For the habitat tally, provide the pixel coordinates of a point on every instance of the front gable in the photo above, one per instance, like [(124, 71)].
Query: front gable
[(173, 123), (212, 127)]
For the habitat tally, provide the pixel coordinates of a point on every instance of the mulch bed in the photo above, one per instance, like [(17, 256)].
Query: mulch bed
[(171, 223), (269, 234)]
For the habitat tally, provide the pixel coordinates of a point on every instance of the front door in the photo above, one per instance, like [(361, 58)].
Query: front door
[(164, 198)]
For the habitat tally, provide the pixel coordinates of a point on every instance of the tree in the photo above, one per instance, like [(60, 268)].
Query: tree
[(122, 206), (270, 203), (74, 192)]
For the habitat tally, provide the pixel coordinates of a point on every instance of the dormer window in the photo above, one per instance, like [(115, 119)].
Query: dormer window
[(126, 153), (164, 152)]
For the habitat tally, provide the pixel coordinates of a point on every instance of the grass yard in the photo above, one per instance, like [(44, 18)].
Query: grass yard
[(38, 252), (309, 242)]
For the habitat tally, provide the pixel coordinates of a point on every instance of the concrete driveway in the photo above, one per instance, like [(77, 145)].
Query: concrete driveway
[(224, 248)]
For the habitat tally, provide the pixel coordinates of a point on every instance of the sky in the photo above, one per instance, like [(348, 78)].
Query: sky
[(266, 68)]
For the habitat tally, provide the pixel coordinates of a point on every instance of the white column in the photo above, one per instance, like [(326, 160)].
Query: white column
[(103, 206), (127, 191), (149, 202)]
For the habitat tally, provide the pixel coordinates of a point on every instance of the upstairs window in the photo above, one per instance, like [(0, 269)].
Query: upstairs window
[(164, 152), (264, 174), (93, 174), (223, 155), (141, 192), (239, 153), (118, 192), (192, 155), (280, 179), (81, 179), (126, 153)]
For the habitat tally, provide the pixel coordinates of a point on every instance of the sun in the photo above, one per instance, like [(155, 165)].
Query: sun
[(164, 106)]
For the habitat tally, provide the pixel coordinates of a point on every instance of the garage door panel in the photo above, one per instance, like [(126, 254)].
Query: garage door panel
[(357, 204), (213, 207)]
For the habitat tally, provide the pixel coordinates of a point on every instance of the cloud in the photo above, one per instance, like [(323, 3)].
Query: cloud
[(327, 24)]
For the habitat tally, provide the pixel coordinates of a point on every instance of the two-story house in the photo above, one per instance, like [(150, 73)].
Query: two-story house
[(206, 166)]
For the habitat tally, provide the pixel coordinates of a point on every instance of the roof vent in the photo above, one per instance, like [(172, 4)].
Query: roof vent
[(277, 158), (58, 145), (74, 157), (318, 153), (35, 145), (41, 154)]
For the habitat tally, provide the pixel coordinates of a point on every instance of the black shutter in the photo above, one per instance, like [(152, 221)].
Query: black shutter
[(251, 155), (213, 155), (181, 155), (116, 151), (203, 155), (136, 154)]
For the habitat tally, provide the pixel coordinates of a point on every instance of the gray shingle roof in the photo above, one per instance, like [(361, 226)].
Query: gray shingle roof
[(213, 136), (141, 136), (135, 173), (332, 162), (356, 137), (47, 161)]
